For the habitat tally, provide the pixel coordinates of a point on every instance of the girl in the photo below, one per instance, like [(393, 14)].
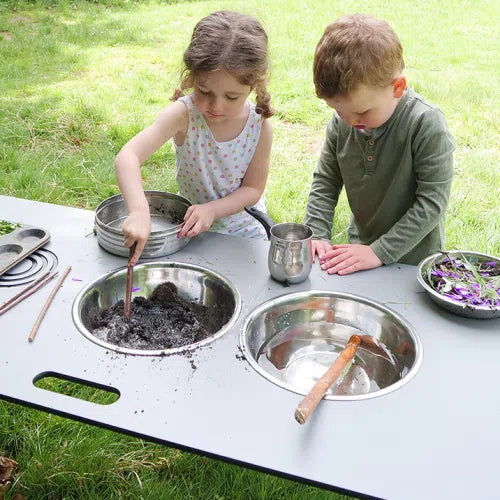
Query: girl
[(222, 141)]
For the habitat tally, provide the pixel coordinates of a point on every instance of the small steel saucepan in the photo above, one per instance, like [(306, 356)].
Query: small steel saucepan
[(290, 253)]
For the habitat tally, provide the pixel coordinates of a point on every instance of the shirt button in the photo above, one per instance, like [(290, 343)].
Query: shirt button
[(371, 142), (369, 157)]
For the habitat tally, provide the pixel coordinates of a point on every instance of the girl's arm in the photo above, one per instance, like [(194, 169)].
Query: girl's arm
[(199, 218), (137, 227)]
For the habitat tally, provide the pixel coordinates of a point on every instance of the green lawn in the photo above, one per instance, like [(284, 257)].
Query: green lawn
[(78, 79)]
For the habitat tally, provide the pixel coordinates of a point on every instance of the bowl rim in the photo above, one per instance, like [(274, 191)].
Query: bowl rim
[(119, 197), (407, 377), (441, 298), (82, 329)]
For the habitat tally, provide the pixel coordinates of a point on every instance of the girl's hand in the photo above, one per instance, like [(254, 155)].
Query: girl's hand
[(136, 229), (198, 219), (347, 259), (319, 248)]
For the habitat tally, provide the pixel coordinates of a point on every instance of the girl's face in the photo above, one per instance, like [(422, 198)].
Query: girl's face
[(220, 96)]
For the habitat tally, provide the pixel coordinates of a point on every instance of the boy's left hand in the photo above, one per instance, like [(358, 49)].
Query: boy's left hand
[(198, 219), (349, 258)]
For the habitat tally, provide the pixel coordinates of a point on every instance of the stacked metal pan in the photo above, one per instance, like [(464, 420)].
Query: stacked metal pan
[(167, 214)]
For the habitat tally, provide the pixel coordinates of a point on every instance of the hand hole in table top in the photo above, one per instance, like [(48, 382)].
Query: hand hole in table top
[(76, 388)]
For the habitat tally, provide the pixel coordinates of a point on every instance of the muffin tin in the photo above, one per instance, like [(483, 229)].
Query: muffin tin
[(18, 244)]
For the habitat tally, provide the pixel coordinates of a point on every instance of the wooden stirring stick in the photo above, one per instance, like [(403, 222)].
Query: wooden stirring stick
[(309, 403), (34, 330), (130, 279)]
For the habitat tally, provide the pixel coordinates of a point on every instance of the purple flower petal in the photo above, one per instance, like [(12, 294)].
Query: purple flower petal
[(438, 272), (136, 288)]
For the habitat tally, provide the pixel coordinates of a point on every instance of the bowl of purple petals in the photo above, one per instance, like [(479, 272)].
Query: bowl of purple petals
[(464, 283)]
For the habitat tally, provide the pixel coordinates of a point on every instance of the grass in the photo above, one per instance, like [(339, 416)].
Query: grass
[(78, 79)]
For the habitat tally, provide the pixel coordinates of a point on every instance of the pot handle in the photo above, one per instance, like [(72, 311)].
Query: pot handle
[(262, 217)]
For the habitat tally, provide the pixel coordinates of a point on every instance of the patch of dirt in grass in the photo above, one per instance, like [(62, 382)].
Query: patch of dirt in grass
[(66, 135), (315, 144), (313, 139), (6, 35), (19, 19)]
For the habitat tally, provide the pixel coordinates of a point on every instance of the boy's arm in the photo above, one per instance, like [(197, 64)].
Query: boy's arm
[(326, 186), (432, 150)]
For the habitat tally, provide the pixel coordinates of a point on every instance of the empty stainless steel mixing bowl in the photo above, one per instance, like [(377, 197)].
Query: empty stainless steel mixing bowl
[(167, 215), (293, 339), (194, 283)]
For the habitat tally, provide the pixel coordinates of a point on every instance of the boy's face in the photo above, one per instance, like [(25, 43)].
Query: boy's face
[(368, 107)]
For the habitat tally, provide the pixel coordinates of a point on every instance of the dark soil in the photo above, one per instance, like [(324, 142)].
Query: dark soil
[(162, 321)]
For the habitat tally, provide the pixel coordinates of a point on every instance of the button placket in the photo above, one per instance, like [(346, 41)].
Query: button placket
[(370, 155)]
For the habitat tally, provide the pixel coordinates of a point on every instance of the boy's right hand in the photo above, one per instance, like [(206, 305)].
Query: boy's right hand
[(319, 248), (136, 229)]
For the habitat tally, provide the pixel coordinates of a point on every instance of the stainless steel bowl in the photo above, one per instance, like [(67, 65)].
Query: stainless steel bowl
[(466, 310), (194, 283), (293, 339), (167, 214)]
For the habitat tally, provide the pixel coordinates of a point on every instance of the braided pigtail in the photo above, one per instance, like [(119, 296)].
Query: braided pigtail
[(263, 99), (186, 83)]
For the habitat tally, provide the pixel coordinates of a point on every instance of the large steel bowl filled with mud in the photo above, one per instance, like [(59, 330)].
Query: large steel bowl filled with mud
[(211, 300), (293, 339), (167, 215)]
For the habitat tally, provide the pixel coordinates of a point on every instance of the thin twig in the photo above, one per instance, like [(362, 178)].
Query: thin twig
[(34, 330), (26, 292), (25, 289)]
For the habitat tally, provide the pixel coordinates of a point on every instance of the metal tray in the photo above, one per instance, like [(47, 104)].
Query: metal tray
[(20, 243)]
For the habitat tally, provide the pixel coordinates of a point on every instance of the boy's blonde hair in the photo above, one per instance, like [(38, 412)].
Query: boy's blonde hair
[(234, 42), (356, 49)]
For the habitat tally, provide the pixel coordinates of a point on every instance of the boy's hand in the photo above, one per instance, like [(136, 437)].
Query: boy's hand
[(347, 259), (319, 248), (136, 229), (198, 219)]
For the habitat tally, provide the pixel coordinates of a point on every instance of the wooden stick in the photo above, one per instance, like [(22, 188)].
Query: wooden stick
[(34, 330), (128, 289), (26, 291), (26, 288), (309, 403)]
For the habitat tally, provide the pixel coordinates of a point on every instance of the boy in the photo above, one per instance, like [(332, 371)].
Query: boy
[(390, 148)]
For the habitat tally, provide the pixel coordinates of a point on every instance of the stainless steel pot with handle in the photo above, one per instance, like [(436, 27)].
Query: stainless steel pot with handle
[(290, 253)]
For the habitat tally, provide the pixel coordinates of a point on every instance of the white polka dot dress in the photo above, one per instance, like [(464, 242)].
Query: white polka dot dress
[(209, 170)]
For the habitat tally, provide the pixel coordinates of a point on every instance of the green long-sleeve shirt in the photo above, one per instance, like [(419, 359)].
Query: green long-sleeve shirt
[(397, 180)]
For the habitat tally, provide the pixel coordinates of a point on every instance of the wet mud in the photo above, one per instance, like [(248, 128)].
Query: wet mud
[(162, 321)]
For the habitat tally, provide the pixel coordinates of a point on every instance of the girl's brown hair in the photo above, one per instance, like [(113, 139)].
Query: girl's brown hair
[(234, 42), (356, 49)]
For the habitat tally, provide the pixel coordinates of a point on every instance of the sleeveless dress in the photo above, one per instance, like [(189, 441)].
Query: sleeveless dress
[(209, 170)]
